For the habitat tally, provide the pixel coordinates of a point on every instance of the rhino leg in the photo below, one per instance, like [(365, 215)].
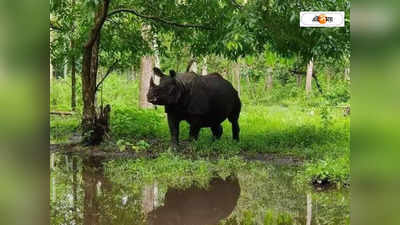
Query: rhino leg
[(233, 118), (194, 132), (173, 124), (235, 130), (235, 127), (217, 131)]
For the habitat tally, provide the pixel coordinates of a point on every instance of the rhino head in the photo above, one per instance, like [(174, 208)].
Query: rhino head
[(167, 92)]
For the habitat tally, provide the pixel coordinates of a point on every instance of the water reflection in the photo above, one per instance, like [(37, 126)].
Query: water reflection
[(95, 184), (197, 206), (83, 193)]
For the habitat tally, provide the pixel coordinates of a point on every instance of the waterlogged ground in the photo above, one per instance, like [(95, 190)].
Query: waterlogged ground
[(174, 190)]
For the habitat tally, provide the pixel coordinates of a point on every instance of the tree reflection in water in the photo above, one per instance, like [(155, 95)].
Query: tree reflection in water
[(89, 192)]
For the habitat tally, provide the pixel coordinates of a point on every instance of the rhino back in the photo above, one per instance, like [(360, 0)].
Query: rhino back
[(220, 91), (222, 98), (187, 77), (209, 99)]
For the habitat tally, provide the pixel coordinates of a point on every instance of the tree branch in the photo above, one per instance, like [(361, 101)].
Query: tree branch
[(100, 18), (316, 82), (158, 19), (106, 75), (237, 5), (61, 113), (313, 75)]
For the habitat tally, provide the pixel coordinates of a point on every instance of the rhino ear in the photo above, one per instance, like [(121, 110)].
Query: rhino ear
[(158, 72), (172, 73), (198, 100)]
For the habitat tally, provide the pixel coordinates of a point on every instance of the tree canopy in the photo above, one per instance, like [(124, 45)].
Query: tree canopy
[(228, 28)]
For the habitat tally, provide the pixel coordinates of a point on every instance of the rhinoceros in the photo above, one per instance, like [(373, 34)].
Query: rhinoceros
[(202, 101)]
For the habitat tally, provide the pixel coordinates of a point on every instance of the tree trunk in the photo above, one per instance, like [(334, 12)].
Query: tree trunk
[(88, 94), (51, 65), (236, 75), (309, 76), (146, 68), (89, 70), (65, 69), (298, 80), (347, 74), (89, 80), (73, 79), (95, 65), (204, 68), (51, 71), (146, 72), (156, 60), (269, 81), (250, 87)]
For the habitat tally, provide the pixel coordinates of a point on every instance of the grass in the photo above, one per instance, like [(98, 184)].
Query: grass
[(174, 170), (289, 124)]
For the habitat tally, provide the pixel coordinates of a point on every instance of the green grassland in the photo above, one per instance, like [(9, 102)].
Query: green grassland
[(282, 121)]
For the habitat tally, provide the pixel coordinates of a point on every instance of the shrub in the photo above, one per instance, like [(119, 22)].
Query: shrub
[(128, 122), (329, 171)]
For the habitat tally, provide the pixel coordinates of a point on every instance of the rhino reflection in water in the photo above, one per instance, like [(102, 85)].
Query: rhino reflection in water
[(196, 206)]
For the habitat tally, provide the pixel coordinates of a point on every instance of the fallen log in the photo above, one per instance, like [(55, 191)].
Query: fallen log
[(61, 113)]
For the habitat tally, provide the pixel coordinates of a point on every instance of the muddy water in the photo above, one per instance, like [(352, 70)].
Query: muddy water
[(82, 193), (197, 206)]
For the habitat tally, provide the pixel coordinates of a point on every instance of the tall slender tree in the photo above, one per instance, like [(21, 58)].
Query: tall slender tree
[(309, 76)]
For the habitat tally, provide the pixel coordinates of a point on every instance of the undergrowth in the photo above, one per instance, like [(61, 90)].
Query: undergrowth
[(289, 122)]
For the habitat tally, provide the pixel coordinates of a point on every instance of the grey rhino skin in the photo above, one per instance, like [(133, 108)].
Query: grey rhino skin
[(202, 101)]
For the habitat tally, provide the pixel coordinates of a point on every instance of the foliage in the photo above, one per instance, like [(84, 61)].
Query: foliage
[(270, 218), (284, 219), (139, 146), (129, 122), (229, 30), (329, 171), (60, 94), (287, 38)]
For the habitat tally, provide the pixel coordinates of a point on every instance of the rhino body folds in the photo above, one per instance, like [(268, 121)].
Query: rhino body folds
[(202, 101)]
